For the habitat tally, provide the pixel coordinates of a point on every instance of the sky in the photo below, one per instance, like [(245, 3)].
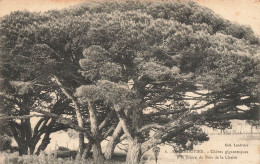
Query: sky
[(245, 12)]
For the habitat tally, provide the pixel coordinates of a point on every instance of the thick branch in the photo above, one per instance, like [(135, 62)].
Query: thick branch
[(109, 131), (202, 106), (180, 88), (122, 137), (151, 126), (105, 121), (61, 120), (14, 131), (158, 136), (58, 128), (20, 117), (166, 112), (162, 82), (228, 116), (78, 113), (36, 128), (93, 119), (65, 121), (75, 103), (125, 128), (123, 123)]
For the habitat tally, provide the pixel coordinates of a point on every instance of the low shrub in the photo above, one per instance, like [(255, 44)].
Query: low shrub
[(65, 153), (5, 142), (49, 159)]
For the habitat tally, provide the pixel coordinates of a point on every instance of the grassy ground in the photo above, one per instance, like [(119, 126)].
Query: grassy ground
[(57, 158)]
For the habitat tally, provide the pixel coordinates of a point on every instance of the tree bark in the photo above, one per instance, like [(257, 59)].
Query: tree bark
[(81, 143), (96, 147), (97, 153), (45, 141), (19, 136), (136, 119), (31, 149), (93, 118), (87, 149), (112, 142), (28, 136), (134, 147), (134, 152), (22, 148), (78, 114)]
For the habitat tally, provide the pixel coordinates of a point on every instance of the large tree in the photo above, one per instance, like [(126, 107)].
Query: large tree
[(129, 68), (26, 67), (36, 68), (168, 64)]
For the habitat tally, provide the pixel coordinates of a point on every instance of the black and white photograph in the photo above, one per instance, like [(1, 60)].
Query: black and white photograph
[(129, 81)]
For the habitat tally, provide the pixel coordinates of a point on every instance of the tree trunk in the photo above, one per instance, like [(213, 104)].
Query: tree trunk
[(134, 148), (22, 148), (136, 119), (31, 149), (133, 153), (28, 135), (81, 144), (97, 153), (112, 142), (96, 147), (78, 115), (19, 136), (86, 152), (45, 141), (110, 147)]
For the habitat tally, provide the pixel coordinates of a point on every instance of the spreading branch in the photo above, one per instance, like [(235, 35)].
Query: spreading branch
[(75, 103), (151, 126), (106, 120), (125, 129), (20, 117)]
